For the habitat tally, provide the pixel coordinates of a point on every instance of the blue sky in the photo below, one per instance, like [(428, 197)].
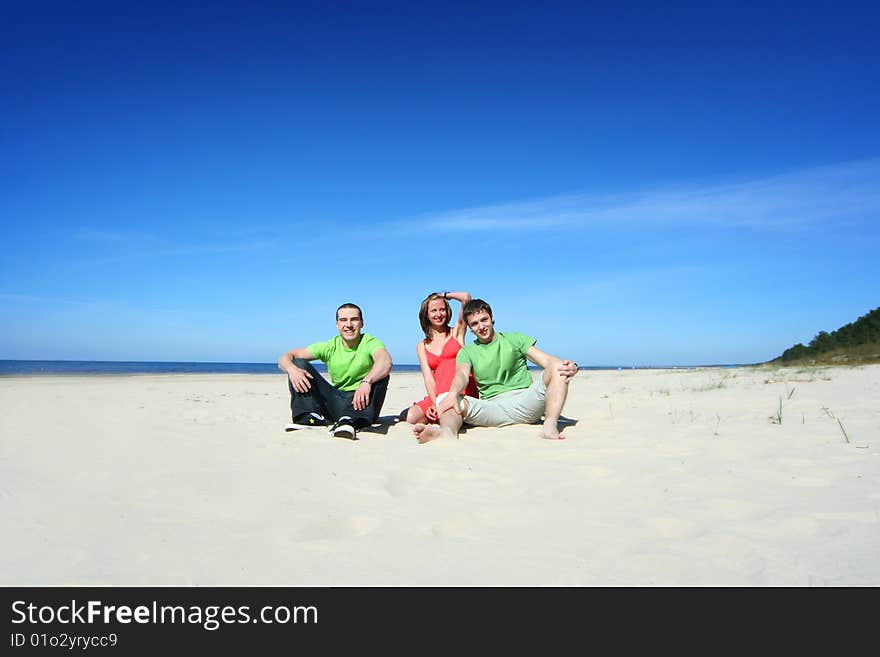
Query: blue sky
[(633, 185)]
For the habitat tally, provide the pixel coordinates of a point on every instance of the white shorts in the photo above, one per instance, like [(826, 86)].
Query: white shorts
[(524, 406)]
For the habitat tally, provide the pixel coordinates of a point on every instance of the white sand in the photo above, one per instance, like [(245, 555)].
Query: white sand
[(668, 478)]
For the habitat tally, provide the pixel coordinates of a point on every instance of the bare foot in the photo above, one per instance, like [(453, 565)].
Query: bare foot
[(427, 432), (550, 432)]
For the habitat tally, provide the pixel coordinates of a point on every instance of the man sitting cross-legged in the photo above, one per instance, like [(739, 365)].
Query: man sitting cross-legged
[(359, 366)]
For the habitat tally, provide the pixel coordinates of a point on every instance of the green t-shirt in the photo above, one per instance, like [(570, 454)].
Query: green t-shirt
[(347, 367), (499, 366)]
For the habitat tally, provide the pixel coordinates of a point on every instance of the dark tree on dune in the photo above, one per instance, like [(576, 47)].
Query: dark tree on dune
[(865, 330)]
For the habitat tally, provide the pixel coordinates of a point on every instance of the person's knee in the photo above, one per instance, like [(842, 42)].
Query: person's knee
[(552, 376), (415, 414), (302, 363)]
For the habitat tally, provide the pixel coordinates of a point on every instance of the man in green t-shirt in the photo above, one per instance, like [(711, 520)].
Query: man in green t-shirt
[(359, 367), (507, 393)]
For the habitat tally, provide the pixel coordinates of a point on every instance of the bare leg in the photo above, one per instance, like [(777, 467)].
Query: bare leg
[(449, 424), (557, 391), (415, 415)]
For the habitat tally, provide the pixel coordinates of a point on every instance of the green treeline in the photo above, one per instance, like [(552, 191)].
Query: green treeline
[(865, 330)]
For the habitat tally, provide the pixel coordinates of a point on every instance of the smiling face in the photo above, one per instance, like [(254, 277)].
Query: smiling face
[(482, 325), (438, 315), (434, 314), (349, 324)]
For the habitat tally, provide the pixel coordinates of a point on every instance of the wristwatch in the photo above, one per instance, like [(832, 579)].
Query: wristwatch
[(367, 381)]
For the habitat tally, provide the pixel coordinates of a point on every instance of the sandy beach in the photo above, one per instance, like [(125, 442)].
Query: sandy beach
[(708, 477)]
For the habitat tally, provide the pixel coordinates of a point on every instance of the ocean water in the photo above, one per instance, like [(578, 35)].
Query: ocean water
[(79, 367), (97, 367)]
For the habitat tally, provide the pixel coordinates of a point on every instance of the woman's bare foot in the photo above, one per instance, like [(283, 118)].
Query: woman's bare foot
[(427, 432)]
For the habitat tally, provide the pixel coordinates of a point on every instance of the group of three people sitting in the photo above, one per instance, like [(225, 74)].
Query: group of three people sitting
[(483, 383)]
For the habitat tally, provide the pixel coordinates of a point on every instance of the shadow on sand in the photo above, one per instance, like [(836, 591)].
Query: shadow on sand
[(382, 425)]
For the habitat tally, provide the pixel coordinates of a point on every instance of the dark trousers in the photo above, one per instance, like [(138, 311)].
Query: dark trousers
[(333, 403)]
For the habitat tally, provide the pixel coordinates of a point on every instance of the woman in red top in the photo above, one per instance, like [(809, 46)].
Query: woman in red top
[(437, 353)]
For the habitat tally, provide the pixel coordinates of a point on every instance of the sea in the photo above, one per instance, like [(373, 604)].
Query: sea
[(99, 367)]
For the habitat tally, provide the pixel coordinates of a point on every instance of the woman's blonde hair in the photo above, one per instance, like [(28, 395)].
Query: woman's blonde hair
[(423, 314)]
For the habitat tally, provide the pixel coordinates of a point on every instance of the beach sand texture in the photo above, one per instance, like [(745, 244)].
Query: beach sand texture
[(667, 477)]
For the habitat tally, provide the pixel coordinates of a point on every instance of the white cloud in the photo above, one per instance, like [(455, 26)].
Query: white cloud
[(809, 197)]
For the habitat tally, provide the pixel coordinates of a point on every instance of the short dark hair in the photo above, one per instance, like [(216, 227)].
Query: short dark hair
[(350, 305), (474, 306)]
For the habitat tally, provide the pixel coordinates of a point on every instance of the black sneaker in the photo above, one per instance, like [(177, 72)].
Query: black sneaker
[(311, 420), (344, 428)]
